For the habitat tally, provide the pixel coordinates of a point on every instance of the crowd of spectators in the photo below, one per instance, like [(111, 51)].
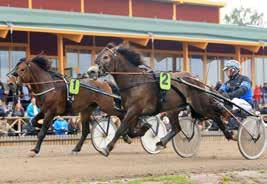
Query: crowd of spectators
[(19, 102), (260, 98)]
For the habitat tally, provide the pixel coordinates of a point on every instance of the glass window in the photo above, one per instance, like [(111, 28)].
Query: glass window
[(54, 64), (196, 66), (214, 71), (79, 60), (4, 64), (179, 64), (246, 67), (163, 63), (146, 57), (9, 57), (261, 69)]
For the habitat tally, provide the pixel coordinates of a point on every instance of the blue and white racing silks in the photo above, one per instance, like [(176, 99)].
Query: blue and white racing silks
[(238, 87)]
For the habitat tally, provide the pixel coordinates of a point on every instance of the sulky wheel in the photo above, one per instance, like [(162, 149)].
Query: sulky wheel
[(153, 135), (251, 137), (102, 133), (187, 141)]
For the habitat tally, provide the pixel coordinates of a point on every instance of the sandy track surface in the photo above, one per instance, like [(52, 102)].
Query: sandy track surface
[(55, 163)]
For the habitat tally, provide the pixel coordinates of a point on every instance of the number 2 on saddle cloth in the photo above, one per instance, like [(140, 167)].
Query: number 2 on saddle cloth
[(164, 84)]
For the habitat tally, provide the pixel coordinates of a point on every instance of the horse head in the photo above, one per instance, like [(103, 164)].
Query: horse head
[(106, 59), (120, 58), (25, 68), (21, 72)]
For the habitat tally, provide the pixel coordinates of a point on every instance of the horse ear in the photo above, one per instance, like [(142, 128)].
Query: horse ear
[(111, 45)]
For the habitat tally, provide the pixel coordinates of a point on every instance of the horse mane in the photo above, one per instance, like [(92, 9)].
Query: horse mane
[(131, 55), (42, 61)]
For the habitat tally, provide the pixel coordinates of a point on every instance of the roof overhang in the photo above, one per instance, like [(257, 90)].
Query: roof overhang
[(215, 3), (75, 25)]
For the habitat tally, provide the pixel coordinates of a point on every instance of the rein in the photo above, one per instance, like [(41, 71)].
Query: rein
[(43, 92), (137, 84)]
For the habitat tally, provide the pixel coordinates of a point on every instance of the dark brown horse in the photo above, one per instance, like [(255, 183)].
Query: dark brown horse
[(140, 94), (51, 94)]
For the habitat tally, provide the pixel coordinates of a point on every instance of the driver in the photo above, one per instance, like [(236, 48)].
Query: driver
[(238, 88)]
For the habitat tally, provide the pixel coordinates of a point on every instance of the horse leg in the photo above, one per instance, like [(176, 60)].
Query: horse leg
[(175, 128), (113, 111), (49, 115), (34, 121), (130, 117), (138, 132), (227, 133), (85, 119)]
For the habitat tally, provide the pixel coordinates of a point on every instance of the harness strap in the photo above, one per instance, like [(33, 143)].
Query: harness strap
[(43, 92), (67, 88)]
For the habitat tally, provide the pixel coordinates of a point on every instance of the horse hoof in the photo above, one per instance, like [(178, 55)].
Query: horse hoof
[(234, 135), (160, 146), (104, 152), (32, 154), (127, 139), (74, 152)]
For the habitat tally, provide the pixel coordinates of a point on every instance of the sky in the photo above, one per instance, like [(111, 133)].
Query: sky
[(259, 5)]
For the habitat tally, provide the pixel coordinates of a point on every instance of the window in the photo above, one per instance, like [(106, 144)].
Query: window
[(246, 67), (163, 63), (179, 64), (146, 58), (261, 69), (196, 66), (214, 70), (79, 60), (9, 57)]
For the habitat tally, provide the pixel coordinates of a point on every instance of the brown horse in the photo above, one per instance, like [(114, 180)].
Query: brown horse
[(50, 91), (140, 94)]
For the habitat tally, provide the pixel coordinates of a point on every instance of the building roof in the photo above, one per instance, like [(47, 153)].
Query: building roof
[(197, 2), (21, 19)]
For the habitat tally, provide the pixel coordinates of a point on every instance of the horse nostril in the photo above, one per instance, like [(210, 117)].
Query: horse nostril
[(15, 74)]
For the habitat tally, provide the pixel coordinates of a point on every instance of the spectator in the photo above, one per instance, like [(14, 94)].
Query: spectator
[(74, 126), (263, 108), (60, 126), (2, 91), (12, 96), (257, 96), (25, 96), (32, 109), (31, 112), (264, 93), (79, 76), (18, 110), (3, 109)]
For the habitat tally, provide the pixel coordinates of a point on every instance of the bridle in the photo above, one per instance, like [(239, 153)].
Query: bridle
[(114, 53), (28, 66)]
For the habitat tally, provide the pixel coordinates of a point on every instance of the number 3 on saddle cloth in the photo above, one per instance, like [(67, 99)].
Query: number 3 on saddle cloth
[(164, 84)]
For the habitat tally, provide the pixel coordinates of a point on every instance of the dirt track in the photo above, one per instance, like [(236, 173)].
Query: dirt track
[(56, 164)]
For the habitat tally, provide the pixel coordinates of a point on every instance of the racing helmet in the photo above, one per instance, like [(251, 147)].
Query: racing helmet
[(232, 64)]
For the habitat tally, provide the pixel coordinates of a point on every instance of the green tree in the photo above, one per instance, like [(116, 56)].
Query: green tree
[(244, 16)]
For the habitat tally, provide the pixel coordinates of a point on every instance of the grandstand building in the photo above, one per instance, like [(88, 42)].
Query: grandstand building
[(173, 35)]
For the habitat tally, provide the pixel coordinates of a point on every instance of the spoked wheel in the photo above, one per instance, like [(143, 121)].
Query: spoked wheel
[(102, 133), (187, 141), (251, 138), (153, 135)]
